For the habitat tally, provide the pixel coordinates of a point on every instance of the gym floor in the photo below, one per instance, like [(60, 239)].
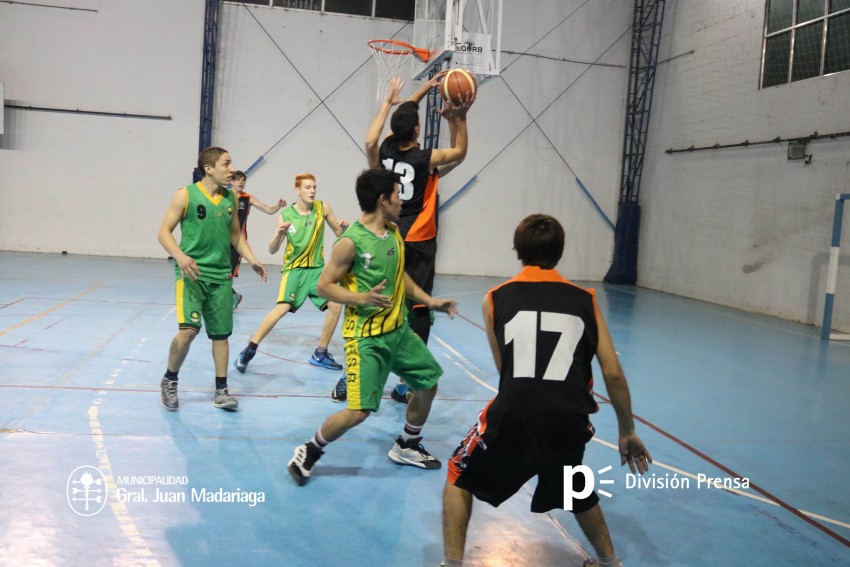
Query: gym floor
[(718, 394)]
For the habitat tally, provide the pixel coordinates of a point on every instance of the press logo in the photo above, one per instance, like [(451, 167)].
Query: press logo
[(570, 494), (86, 491)]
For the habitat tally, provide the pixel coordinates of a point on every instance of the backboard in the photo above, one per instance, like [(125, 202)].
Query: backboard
[(465, 33)]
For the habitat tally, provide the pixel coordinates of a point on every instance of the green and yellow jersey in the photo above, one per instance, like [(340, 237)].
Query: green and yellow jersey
[(305, 238), (375, 259), (205, 232)]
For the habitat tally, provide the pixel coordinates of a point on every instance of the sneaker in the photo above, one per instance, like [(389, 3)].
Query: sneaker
[(615, 562), (301, 464), (224, 400), (340, 391), (237, 299), (401, 393), (325, 360), (241, 362), (168, 394), (413, 453)]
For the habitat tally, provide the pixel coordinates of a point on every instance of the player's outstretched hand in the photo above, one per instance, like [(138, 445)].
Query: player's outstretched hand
[(343, 223), (448, 306), (188, 267), (435, 80), (394, 91), (281, 203), (633, 453), (374, 297), (260, 271)]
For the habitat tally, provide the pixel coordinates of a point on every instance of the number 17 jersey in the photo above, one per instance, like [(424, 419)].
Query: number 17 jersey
[(547, 337)]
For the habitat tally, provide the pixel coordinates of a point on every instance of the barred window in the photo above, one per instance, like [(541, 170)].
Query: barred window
[(804, 39), (391, 9)]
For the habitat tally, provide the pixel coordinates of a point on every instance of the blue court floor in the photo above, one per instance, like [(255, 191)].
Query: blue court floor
[(95, 472)]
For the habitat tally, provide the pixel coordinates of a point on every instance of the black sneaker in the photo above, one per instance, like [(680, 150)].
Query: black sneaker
[(301, 464), (401, 393), (168, 394), (340, 391), (413, 453), (241, 362)]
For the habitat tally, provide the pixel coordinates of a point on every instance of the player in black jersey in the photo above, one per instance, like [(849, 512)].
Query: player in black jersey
[(544, 332), (245, 201), (420, 171)]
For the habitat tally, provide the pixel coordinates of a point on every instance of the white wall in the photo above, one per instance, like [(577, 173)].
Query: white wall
[(100, 185), (95, 184), (743, 227), (261, 96)]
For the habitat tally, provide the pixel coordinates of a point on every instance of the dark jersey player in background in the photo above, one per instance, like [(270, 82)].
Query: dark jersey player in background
[(543, 332), (245, 201), (419, 171)]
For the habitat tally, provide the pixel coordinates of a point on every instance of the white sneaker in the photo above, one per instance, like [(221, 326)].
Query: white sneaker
[(413, 453)]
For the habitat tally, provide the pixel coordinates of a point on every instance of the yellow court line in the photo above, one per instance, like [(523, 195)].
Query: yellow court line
[(54, 308)]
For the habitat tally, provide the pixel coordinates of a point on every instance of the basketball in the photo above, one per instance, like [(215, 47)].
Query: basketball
[(457, 85)]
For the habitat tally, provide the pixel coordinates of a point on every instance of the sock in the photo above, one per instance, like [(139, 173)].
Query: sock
[(170, 375), (220, 383), (321, 350), (318, 441), (453, 562), (612, 561), (411, 431), (252, 345)]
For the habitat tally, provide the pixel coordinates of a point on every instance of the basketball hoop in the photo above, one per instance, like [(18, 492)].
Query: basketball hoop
[(390, 55)]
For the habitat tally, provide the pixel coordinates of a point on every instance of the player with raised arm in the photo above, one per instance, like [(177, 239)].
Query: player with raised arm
[(419, 170)]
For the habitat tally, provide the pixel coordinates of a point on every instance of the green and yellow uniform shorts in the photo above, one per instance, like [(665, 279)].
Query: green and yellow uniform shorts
[(370, 360), (209, 302), (299, 284)]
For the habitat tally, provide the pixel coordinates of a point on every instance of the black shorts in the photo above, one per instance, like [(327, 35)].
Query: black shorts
[(420, 261), (493, 464)]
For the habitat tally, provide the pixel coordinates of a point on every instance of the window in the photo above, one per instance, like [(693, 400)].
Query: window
[(804, 39), (390, 9)]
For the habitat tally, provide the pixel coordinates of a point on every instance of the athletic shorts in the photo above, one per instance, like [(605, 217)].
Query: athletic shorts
[(370, 360), (494, 464), (420, 260), (211, 302), (299, 284)]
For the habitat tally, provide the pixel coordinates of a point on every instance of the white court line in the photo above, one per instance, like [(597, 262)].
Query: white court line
[(475, 378)]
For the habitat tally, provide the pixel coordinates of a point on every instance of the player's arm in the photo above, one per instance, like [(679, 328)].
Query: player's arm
[(342, 258), (418, 295), (632, 450), (444, 169), (238, 241), (279, 235), (268, 209), (487, 310), (373, 134), (175, 212), (427, 86), (337, 225), (456, 116)]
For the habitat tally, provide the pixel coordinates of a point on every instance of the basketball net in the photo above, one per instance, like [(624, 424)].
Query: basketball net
[(390, 55)]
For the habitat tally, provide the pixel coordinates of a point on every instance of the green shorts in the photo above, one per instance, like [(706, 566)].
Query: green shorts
[(299, 284), (211, 301), (370, 360)]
